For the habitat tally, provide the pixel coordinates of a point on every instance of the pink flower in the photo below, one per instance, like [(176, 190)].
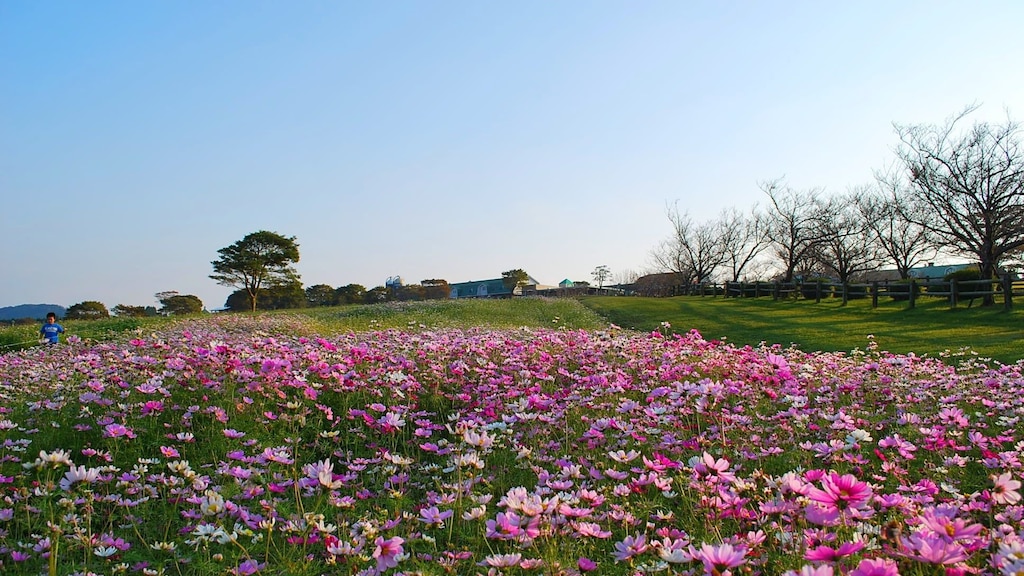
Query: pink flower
[(718, 559), (1005, 490), (943, 523), (586, 564), (876, 567), (707, 465), (827, 554), (434, 517), (932, 549), (807, 570), (591, 530), (387, 552), (117, 431), (629, 547)]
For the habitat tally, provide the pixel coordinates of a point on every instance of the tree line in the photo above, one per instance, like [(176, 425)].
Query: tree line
[(951, 190)]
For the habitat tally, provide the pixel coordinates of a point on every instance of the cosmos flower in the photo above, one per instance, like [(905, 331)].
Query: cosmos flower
[(1005, 489), (387, 553)]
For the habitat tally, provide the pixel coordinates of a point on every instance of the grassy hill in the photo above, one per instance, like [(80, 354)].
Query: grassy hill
[(930, 329)]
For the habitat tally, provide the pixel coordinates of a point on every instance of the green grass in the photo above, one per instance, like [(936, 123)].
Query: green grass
[(930, 328)]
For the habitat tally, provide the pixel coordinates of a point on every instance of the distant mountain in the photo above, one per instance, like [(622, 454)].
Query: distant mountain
[(37, 311)]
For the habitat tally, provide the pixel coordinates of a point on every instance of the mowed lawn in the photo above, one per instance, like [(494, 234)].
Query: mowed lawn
[(930, 328)]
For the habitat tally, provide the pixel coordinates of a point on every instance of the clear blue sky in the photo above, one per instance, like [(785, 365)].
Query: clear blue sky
[(445, 139)]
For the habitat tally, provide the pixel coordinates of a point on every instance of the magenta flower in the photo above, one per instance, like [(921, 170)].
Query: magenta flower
[(841, 492), (827, 554), (586, 564)]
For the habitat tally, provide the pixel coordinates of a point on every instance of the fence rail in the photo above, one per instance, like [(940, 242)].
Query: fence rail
[(910, 291)]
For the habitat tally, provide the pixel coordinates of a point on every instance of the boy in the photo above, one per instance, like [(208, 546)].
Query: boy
[(51, 331)]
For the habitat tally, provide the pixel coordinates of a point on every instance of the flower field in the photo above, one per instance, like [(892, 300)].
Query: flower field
[(240, 445)]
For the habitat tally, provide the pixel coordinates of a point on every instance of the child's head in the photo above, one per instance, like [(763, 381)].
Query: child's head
[(51, 317)]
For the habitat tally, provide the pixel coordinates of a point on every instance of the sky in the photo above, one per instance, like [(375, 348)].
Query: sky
[(446, 139)]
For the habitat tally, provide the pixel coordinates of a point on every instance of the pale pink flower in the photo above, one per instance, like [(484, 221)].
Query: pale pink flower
[(502, 560), (1005, 490)]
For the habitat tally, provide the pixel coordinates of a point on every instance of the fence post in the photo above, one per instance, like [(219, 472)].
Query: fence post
[(953, 289), (817, 292), (846, 293), (1007, 293), (775, 290), (874, 294), (913, 293)]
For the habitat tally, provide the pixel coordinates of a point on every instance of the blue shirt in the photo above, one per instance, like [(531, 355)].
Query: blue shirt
[(51, 332)]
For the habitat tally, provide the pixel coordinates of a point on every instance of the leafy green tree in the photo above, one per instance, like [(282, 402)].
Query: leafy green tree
[(88, 310), (286, 295), (411, 292), (321, 295), (238, 301), (260, 261), (351, 294), (181, 304), (513, 279), (377, 294), (127, 311)]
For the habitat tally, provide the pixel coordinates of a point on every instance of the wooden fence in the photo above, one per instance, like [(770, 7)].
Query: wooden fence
[(955, 291)]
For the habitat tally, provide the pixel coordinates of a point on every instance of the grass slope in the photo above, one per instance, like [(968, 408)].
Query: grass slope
[(931, 328)]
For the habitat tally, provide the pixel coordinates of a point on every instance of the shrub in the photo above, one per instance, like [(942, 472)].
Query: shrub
[(963, 274)]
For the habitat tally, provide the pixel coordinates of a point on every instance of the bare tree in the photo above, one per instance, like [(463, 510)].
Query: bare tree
[(792, 221), (743, 238), (893, 217), (694, 250), (845, 247), (972, 183), (627, 276)]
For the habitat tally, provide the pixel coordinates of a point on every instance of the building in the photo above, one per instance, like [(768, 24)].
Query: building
[(493, 288), (929, 272)]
